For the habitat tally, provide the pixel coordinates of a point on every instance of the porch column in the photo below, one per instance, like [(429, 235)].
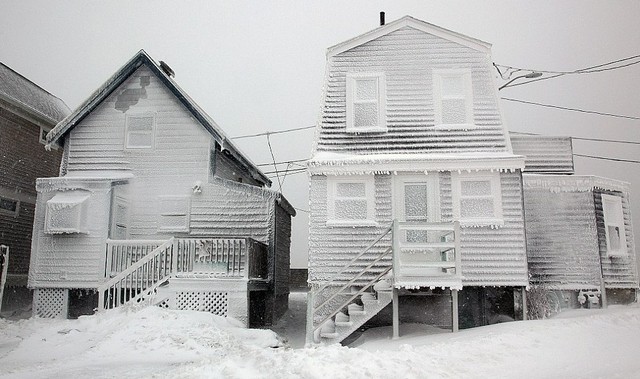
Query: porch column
[(396, 317), (525, 310), (454, 310)]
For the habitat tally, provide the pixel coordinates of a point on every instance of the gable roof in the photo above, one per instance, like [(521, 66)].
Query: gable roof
[(22, 93), (408, 21), (142, 58)]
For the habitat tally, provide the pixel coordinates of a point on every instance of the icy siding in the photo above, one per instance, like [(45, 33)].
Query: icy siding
[(562, 241), (543, 154), (408, 57), (489, 256)]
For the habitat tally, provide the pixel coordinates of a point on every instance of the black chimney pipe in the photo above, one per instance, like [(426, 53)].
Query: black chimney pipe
[(381, 18)]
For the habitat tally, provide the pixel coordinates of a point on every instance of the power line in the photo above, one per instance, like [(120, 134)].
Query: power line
[(301, 210), (276, 132), (571, 109), (587, 70), (606, 158), (283, 162), (583, 138)]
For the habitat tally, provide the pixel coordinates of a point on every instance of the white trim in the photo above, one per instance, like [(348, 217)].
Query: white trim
[(62, 206), (152, 132), (493, 178), (165, 214), (614, 217), (409, 21), (369, 197), (433, 194), (467, 96), (380, 101)]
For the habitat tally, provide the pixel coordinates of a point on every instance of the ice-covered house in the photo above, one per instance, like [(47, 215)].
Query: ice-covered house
[(580, 242), (27, 114), (415, 193), (154, 203)]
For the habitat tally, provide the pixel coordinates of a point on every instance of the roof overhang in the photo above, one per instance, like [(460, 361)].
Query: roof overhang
[(573, 183), (342, 164), (408, 21)]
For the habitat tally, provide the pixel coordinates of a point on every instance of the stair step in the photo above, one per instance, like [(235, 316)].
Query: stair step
[(330, 336), (344, 323), (355, 309)]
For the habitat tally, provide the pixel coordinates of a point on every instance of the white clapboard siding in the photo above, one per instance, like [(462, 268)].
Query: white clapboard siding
[(544, 154), (408, 57)]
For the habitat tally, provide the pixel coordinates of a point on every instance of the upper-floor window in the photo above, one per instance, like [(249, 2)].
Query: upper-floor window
[(140, 130), (453, 97), (351, 200), (366, 105), (614, 225), (9, 206), (477, 198)]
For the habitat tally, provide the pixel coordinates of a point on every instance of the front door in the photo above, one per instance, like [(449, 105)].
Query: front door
[(416, 198)]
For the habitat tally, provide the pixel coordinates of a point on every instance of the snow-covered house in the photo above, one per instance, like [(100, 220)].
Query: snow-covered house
[(154, 203), (415, 193), (580, 244), (27, 114)]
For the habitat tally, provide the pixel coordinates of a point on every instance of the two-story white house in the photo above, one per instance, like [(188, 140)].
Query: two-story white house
[(415, 193)]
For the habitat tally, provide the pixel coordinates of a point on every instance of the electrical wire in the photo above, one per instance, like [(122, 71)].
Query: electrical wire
[(606, 158), (570, 109), (283, 162), (272, 133)]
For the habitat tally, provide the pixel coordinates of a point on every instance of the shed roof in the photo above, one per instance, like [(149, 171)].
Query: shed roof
[(413, 23), (139, 59), (31, 98)]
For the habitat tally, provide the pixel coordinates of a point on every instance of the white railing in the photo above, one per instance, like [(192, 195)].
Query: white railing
[(139, 279), (4, 265), (121, 254)]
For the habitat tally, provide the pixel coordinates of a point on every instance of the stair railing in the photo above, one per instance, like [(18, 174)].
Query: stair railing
[(139, 279)]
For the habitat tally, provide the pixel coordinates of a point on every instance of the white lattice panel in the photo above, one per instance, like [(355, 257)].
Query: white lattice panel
[(50, 302), (207, 301)]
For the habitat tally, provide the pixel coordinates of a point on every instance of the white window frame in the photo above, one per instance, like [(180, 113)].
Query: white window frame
[(438, 96), (351, 80), (614, 216), (77, 200), (496, 195), (332, 186), (152, 133), (166, 214)]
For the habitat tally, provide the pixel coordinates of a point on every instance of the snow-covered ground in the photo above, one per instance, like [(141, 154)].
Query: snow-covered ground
[(159, 343)]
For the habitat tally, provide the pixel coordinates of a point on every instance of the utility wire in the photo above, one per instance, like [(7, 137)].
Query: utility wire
[(570, 109), (272, 133), (283, 162), (606, 158), (583, 138)]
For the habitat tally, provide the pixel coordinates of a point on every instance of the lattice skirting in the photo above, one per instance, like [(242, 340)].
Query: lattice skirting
[(50, 302), (207, 301)]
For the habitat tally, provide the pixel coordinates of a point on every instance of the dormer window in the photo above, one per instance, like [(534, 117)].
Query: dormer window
[(453, 98), (140, 131), (366, 105)]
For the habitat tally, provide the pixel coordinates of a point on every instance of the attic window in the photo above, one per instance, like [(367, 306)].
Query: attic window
[(453, 98), (43, 134), (66, 212), (477, 199), (140, 131), (614, 226), (366, 105)]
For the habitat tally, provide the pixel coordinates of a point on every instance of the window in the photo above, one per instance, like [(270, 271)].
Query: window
[(366, 102), (351, 200), (174, 214), (140, 131), (477, 199), (453, 104), (9, 206), (66, 212), (43, 134), (614, 225), (119, 219)]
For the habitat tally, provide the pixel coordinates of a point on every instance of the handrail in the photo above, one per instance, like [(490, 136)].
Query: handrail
[(150, 275), (334, 276)]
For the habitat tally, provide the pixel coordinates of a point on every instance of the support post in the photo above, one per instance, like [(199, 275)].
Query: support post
[(525, 310), (396, 315), (603, 290), (4, 264), (309, 332), (454, 310)]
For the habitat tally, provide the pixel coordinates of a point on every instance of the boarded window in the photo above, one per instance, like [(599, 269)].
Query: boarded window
[(174, 214), (477, 199), (66, 212), (366, 102), (140, 131), (350, 199), (614, 225), (453, 98)]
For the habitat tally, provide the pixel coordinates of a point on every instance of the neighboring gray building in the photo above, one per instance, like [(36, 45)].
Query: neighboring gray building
[(151, 192)]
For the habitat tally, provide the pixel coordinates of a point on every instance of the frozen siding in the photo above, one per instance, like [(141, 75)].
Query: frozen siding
[(408, 57), (617, 272), (544, 154), (561, 239)]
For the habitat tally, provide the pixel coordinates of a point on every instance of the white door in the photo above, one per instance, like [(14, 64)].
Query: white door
[(416, 198)]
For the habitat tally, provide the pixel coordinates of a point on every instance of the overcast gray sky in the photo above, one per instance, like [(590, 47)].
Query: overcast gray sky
[(258, 66)]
